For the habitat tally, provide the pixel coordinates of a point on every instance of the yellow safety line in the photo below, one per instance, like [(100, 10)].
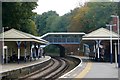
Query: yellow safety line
[(85, 71)]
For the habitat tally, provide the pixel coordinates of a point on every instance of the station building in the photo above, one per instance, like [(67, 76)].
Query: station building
[(19, 46), (97, 44)]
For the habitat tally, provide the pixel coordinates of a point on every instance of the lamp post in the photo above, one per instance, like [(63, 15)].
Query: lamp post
[(110, 41), (118, 38), (3, 46), (118, 42)]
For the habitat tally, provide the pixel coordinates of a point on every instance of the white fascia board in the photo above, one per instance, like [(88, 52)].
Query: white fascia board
[(99, 38), (67, 33)]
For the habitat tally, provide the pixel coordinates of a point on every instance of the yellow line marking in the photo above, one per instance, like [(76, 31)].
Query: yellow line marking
[(85, 71)]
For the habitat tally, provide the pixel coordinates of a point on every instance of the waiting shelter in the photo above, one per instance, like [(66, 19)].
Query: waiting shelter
[(99, 43), (20, 46)]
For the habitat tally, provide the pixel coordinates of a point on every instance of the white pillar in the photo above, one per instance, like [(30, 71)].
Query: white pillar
[(3, 45), (35, 51), (18, 43), (3, 55), (111, 44), (18, 53), (118, 42), (98, 49), (7, 55), (116, 55), (31, 52)]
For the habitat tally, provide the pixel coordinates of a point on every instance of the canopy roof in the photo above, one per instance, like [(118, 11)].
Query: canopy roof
[(15, 35), (100, 34)]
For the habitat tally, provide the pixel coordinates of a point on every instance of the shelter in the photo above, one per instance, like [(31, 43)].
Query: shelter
[(19, 46), (99, 41)]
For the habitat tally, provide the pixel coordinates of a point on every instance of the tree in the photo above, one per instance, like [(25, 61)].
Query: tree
[(14, 14), (85, 18), (77, 21), (51, 22), (44, 21), (92, 16), (29, 27)]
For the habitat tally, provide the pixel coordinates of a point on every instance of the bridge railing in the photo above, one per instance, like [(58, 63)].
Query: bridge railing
[(62, 40)]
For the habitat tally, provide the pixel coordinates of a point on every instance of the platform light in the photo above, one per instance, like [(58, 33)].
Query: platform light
[(118, 38), (110, 41)]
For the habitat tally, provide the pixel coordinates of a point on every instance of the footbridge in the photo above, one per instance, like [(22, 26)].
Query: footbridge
[(64, 40)]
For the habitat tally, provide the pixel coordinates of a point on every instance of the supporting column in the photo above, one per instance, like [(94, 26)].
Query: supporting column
[(118, 30), (95, 50), (31, 53), (18, 43), (37, 48), (3, 55), (35, 51), (111, 44), (98, 49), (6, 54), (116, 55), (25, 52), (38, 51)]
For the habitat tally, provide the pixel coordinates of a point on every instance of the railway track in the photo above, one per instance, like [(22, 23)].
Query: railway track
[(52, 71)]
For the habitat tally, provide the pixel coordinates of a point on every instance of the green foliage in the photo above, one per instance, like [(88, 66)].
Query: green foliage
[(51, 22), (29, 26), (52, 50), (18, 15), (85, 18), (92, 16), (42, 21)]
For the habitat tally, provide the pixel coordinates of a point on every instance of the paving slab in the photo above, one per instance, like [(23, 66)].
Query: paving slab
[(102, 70), (91, 70)]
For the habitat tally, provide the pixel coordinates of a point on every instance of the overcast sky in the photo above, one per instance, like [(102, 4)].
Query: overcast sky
[(60, 6)]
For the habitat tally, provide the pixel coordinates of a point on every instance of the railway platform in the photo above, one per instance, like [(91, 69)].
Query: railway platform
[(91, 70), (15, 66)]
